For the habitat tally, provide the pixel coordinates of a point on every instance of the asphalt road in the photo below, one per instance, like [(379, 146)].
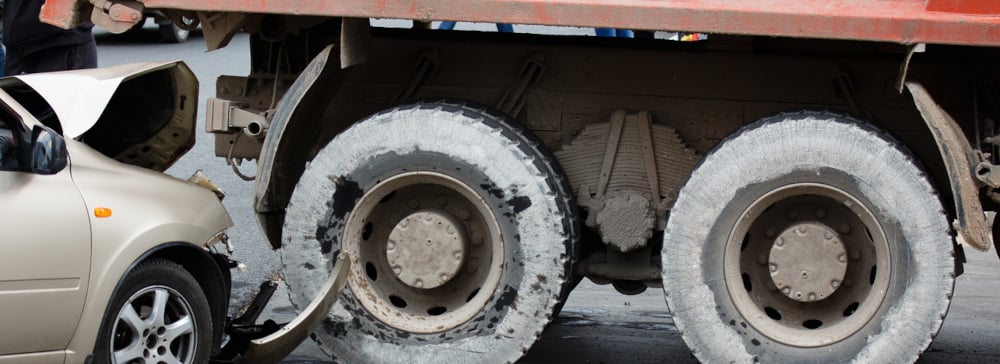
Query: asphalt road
[(598, 325)]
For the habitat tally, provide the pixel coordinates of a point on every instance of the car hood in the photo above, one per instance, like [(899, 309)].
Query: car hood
[(142, 114)]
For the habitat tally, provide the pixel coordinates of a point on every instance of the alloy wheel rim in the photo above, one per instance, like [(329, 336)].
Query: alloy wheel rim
[(156, 325)]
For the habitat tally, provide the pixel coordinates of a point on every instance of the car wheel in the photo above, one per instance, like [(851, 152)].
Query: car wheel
[(171, 33), (459, 228), (158, 314), (808, 237)]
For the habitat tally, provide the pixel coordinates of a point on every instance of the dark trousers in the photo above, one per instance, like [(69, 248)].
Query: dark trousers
[(52, 59)]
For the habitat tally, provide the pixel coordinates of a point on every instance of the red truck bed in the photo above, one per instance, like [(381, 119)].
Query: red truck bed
[(897, 21)]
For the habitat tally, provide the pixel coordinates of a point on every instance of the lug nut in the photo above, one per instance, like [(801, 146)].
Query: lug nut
[(844, 228)]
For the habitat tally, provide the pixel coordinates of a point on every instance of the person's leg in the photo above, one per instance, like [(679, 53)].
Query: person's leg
[(83, 56), (14, 64), (73, 57)]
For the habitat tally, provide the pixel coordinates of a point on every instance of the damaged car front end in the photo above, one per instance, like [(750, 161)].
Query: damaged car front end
[(111, 260), (115, 261)]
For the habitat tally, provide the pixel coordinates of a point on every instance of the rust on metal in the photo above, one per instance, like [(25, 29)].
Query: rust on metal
[(65, 13), (897, 21), (959, 159)]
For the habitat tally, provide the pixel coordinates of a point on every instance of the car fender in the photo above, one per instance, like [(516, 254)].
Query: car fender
[(147, 209)]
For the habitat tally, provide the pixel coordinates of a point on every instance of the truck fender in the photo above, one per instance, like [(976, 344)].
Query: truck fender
[(286, 148), (276, 346), (960, 161)]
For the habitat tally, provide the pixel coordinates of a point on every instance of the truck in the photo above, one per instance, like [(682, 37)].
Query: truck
[(802, 184)]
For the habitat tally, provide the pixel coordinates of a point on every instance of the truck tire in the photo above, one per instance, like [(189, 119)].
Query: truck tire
[(459, 226), (808, 237)]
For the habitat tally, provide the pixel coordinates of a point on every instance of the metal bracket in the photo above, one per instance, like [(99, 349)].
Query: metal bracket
[(959, 160), (219, 28), (426, 65), (116, 16), (355, 41), (904, 68), (225, 115), (531, 74)]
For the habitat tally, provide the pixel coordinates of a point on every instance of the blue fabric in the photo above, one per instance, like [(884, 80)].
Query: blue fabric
[(501, 27), (604, 32), (612, 32)]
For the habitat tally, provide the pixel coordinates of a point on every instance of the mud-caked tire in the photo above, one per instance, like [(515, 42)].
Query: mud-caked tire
[(808, 237), (459, 226)]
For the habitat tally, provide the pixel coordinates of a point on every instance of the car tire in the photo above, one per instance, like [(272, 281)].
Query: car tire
[(171, 33), (157, 314), (832, 201), (473, 174)]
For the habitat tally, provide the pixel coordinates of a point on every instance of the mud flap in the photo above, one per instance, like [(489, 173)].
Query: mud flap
[(274, 347), (959, 159)]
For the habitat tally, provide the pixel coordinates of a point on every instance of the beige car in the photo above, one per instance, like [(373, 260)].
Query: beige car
[(102, 256)]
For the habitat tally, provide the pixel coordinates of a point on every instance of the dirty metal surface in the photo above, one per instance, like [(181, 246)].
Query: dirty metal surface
[(959, 159), (274, 347), (898, 21)]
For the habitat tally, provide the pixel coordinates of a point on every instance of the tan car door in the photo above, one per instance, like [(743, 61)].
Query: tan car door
[(44, 249)]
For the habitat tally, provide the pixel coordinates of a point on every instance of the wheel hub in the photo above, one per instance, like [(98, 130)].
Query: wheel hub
[(426, 249), (808, 262)]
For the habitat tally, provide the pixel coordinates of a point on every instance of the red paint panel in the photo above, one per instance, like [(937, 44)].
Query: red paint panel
[(982, 7), (898, 21)]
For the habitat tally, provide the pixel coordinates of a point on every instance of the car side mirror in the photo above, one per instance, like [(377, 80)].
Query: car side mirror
[(48, 151)]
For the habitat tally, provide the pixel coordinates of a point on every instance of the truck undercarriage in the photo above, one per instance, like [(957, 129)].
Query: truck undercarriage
[(800, 198)]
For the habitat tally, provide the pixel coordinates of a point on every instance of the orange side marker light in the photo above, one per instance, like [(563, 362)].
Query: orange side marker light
[(102, 212)]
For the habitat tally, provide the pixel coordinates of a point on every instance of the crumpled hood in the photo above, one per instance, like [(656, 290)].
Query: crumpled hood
[(142, 113)]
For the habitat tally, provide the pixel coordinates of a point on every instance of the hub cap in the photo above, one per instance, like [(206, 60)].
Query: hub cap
[(808, 262), (426, 249)]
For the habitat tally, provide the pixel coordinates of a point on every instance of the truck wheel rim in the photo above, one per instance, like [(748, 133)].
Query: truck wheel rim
[(426, 250), (154, 326), (807, 265)]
